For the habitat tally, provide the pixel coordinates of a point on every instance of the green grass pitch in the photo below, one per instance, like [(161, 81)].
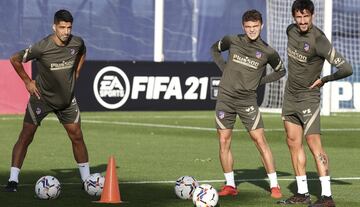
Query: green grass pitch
[(153, 149)]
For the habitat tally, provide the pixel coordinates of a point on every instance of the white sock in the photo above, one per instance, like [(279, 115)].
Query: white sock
[(230, 178), (302, 184), (14, 174), (325, 185), (84, 170), (273, 180)]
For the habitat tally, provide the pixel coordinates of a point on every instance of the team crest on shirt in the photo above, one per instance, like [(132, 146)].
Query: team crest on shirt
[(258, 54), (306, 47), (221, 114), (72, 51)]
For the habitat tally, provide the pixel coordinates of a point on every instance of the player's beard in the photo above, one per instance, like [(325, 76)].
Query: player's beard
[(64, 38), (304, 27)]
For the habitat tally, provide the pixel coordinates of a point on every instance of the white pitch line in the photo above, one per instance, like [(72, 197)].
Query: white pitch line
[(153, 117), (190, 127), (238, 180), (179, 126), (148, 125), (150, 116), (206, 181), (144, 117)]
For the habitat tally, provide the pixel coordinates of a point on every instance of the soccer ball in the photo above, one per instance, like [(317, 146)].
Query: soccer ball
[(185, 186), (47, 187), (205, 196), (94, 184)]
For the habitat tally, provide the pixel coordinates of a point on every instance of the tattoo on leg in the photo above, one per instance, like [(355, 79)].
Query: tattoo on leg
[(323, 159)]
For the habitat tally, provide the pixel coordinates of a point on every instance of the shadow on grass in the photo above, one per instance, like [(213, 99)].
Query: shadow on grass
[(160, 195), (246, 176), (71, 173), (314, 184), (65, 175), (260, 173), (133, 195)]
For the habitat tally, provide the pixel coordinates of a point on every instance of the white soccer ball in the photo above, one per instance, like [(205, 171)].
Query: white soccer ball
[(205, 196), (185, 187), (94, 184), (47, 187)]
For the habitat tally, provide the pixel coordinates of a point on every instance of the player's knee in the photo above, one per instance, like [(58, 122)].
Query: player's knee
[(28, 131), (25, 140), (259, 140), (224, 139), (293, 142), (224, 142), (26, 137), (76, 136)]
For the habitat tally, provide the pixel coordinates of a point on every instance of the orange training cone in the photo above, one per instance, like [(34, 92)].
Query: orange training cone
[(111, 193)]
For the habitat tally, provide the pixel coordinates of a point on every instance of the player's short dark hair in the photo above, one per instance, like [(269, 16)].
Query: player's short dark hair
[(301, 5), (252, 15), (63, 15)]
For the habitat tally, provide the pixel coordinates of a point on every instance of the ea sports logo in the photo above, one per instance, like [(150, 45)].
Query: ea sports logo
[(111, 87)]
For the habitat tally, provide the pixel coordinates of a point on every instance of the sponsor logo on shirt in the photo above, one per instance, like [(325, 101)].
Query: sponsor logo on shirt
[(62, 66), (245, 61), (296, 55)]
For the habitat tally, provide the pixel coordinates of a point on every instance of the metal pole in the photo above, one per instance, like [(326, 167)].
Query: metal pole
[(326, 90), (159, 31)]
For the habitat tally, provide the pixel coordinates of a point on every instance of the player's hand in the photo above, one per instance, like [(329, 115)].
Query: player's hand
[(33, 90), (317, 83)]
